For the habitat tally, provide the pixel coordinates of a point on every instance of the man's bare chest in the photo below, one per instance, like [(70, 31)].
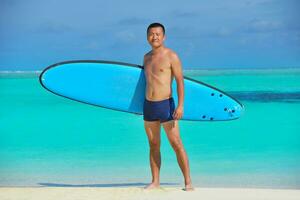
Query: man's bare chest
[(157, 66)]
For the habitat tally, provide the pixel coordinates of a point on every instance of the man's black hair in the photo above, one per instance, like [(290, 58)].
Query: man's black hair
[(156, 24)]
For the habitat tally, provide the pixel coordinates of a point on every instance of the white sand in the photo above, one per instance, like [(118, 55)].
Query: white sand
[(136, 193)]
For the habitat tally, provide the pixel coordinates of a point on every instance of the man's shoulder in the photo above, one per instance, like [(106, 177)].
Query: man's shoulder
[(147, 54), (172, 54)]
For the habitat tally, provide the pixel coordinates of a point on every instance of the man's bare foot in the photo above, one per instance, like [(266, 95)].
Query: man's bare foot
[(188, 188), (152, 186)]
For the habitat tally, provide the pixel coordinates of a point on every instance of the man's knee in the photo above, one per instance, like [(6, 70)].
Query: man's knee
[(176, 144), (154, 145)]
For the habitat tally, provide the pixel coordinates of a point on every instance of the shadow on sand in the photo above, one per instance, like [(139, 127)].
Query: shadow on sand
[(102, 185)]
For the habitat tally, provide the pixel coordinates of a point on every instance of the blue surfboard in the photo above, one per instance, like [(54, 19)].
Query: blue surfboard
[(121, 86)]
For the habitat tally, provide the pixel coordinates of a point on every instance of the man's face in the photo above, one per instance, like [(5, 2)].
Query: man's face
[(155, 36)]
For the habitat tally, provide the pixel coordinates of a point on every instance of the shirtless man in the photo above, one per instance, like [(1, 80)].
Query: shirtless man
[(161, 64)]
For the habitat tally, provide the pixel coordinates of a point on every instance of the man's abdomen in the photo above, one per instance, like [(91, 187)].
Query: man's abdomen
[(158, 92)]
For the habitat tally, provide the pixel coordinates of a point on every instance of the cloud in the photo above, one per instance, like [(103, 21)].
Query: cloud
[(270, 26), (262, 25), (224, 31), (92, 45), (126, 36), (184, 14), (54, 28), (191, 33), (133, 21)]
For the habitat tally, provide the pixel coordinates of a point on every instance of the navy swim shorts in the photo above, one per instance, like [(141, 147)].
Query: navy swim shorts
[(159, 110)]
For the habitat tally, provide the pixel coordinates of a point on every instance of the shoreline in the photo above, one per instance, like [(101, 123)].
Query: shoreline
[(132, 193)]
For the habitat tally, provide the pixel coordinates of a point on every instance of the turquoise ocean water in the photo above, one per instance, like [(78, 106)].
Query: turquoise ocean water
[(47, 140)]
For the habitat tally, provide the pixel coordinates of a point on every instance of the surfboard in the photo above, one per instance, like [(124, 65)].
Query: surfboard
[(121, 86)]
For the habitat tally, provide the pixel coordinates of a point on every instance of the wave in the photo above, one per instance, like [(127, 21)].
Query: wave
[(20, 72), (267, 96)]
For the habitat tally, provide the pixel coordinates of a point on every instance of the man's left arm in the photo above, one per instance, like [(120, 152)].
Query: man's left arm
[(177, 72)]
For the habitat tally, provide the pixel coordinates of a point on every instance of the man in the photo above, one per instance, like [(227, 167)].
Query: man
[(161, 64)]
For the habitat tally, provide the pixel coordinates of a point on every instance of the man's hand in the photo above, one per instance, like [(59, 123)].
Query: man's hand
[(178, 113)]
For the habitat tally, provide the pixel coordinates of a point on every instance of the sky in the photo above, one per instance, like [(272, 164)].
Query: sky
[(205, 34)]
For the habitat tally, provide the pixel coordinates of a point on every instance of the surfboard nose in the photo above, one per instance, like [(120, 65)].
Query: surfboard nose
[(235, 111)]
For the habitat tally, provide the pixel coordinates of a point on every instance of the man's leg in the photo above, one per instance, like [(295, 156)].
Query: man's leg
[(172, 130), (153, 132)]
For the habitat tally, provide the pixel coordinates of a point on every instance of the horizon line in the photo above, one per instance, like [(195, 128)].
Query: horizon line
[(189, 68)]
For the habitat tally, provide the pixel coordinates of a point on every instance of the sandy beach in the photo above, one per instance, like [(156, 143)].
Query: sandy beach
[(138, 193)]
